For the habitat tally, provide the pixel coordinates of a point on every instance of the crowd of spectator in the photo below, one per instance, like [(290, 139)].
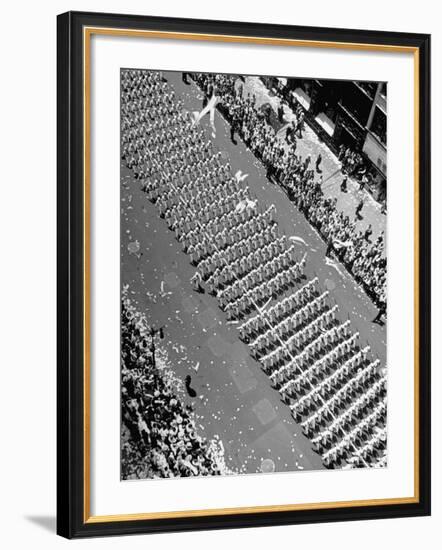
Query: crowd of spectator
[(159, 435)]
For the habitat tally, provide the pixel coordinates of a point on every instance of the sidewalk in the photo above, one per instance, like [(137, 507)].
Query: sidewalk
[(332, 176)]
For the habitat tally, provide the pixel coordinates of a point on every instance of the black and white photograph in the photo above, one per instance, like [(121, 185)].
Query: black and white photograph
[(253, 274), (204, 344)]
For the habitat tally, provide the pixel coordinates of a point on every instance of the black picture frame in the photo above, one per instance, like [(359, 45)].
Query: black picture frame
[(71, 519)]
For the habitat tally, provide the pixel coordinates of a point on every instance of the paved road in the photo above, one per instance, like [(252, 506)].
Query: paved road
[(234, 398)]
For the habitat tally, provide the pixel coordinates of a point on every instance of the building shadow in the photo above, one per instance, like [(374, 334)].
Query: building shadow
[(48, 523)]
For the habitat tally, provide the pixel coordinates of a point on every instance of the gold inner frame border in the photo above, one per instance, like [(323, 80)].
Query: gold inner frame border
[(88, 32)]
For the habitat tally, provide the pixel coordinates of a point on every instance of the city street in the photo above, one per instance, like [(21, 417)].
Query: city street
[(235, 400)]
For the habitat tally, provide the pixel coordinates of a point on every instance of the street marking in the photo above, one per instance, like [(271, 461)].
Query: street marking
[(243, 378), (264, 411), (172, 279)]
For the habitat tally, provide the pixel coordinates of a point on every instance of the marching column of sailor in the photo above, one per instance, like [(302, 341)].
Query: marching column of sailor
[(334, 389)]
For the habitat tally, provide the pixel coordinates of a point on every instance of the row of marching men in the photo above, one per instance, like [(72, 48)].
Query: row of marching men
[(212, 215)]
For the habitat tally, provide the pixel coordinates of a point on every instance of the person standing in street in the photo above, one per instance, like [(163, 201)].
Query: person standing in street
[(300, 126), (368, 233), (329, 248), (344, 185), (280, 113), (288, 133), (234, 127), (359, 209), (382, 311), (318, 163)]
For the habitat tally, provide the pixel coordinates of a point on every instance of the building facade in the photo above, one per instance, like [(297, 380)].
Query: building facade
[(351, 113)]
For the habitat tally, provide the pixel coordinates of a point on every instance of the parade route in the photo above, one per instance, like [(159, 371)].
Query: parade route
[(234, 400)]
